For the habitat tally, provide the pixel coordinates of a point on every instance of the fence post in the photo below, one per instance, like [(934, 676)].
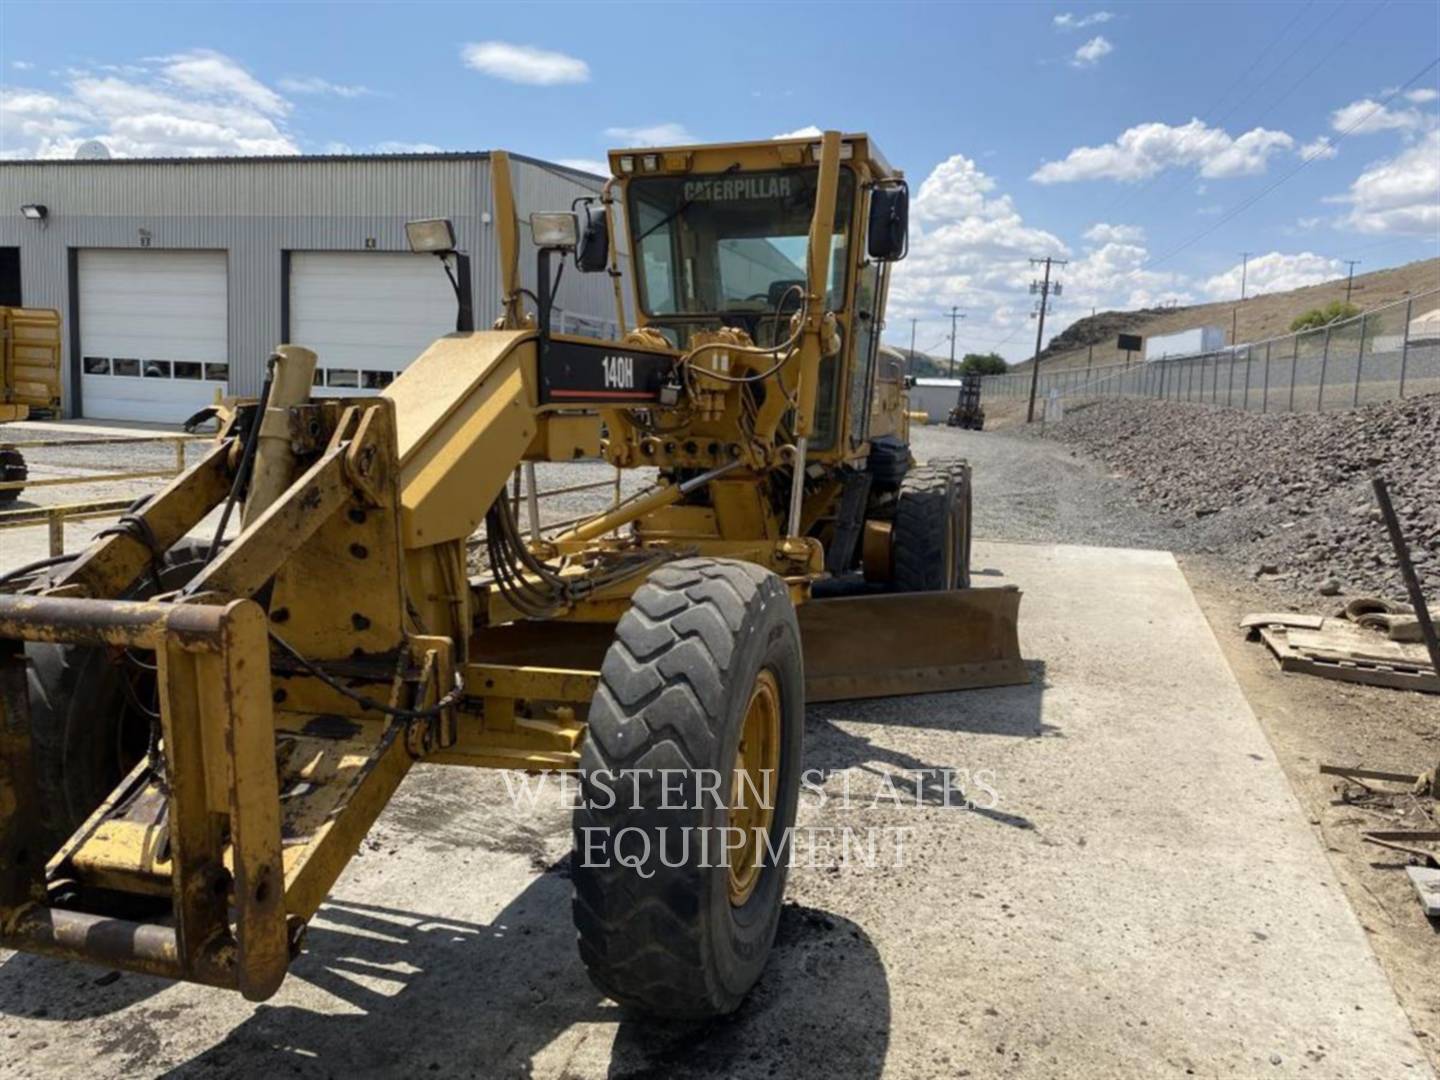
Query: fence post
[(1359, 364), (1324, 363), (1294, 359), (1249, 363), (1265, 393), (55, 521), (1405, 347), (1229, 380)]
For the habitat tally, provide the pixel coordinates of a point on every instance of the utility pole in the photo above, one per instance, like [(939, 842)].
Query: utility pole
[(1045, 289), (1244, 266), (954, 316), (911, 366), (1350, 279)]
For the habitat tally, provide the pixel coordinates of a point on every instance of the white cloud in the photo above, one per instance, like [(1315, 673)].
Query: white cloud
[(1069, 21), (198, 103), (524, 63), (1423, 95), (590, 165), (1366, 117), (968, 246), (1319, 149), (213, 74), (313, 84), (21, 65), (1273, 272), (1092, 52), (395, 146), (1399, 194), (1146, 149), (667, 134), (809, 131), (1101, 233)]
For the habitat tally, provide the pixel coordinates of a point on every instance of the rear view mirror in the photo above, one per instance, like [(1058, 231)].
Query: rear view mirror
[(889, 232), (592, 250)]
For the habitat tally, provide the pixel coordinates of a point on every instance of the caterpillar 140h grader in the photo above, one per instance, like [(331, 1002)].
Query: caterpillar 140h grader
[(195, 737)]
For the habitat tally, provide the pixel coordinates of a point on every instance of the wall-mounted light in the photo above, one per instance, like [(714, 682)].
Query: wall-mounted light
[(34, 211)]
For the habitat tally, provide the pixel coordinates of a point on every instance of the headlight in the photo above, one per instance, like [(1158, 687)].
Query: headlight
[(433, 236), (556, 230)]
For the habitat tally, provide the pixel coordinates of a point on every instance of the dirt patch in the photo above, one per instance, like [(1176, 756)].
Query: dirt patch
[(1312, 721)]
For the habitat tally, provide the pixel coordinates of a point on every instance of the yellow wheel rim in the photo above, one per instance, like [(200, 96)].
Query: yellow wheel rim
[(754, 785)]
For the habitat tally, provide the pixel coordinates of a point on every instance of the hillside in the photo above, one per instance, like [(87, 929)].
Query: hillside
[(1263, 316)]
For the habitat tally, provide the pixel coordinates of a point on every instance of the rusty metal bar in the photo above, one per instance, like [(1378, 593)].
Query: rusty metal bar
[(145, 948), (36, 444), (102, 478), (38, 515), (134, 623)]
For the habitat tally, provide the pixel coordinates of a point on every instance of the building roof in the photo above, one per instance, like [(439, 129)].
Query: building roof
[(304, 159)]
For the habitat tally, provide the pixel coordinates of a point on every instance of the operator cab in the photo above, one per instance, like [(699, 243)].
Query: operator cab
[(720, 238)]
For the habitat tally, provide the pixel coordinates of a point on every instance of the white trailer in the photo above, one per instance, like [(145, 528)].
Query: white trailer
[(1200, 339)]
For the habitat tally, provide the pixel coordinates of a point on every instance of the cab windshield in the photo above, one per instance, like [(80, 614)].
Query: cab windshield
[(732, 243)]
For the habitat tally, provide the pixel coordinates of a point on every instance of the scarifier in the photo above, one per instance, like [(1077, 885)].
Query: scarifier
[(196, 737)]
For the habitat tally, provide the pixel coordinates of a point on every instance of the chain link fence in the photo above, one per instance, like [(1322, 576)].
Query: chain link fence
[(1390, 352)]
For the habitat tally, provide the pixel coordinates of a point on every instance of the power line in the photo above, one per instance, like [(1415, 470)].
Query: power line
[(1367, 15), (1306, 160), (1133, 195)]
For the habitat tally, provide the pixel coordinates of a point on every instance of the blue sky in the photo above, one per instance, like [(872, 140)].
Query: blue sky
[(1125, 137)]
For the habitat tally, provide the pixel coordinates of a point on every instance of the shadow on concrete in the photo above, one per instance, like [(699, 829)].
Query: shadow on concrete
[(1016, 711), (420, 996), (42, 988)]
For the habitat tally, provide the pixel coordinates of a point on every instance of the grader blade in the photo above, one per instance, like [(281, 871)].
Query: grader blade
[(911, 643)]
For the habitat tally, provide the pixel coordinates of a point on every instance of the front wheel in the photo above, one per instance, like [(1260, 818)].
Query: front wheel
[(930, 538), (690, 777)]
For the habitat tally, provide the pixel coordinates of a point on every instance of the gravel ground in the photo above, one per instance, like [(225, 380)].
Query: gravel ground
[(1285, 496)]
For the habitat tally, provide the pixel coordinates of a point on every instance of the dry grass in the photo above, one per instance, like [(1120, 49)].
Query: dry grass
[(1260, 317)]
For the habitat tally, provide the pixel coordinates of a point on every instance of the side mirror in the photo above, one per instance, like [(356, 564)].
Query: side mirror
[(592, 249), (889, 232)]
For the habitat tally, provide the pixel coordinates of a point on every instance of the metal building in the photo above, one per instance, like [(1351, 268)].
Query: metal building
[(935, 397), (177, 277)]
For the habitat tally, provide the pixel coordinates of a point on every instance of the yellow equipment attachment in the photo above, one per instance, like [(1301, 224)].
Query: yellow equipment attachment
[(29, 381), (265, 694)]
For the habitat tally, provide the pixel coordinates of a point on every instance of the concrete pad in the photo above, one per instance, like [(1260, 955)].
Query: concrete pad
[(1135, 893)]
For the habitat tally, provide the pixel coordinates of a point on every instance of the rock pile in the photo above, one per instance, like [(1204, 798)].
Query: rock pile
[(1285, 496)]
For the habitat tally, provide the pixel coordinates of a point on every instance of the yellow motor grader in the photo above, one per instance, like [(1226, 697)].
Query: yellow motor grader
[(195, 737)]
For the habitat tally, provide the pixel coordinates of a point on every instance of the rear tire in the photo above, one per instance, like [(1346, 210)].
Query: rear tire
[(86, 727), (704, 641), (931, 536), (12, 469)]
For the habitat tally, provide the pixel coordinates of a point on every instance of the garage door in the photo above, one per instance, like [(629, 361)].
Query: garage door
[(152, 333), (367, 314)]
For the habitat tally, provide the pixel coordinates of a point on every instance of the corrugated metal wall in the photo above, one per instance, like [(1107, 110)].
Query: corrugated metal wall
[(256, 209)]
